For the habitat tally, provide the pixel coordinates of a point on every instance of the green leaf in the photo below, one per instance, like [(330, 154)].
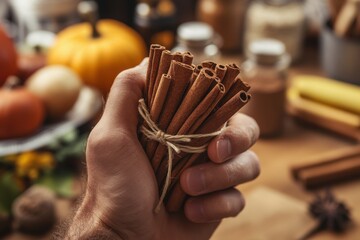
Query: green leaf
[(9, 190), (76, 149), (62, 183)]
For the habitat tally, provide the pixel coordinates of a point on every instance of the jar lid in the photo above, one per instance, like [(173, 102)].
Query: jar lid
[(267, 51), (195, 33)]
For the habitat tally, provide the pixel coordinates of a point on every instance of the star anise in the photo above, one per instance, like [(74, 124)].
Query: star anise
[(332, 214)]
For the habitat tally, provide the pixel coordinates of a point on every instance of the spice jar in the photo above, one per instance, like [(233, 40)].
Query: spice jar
[(198, 38), (226, 17), (283, 20), (265, 70)]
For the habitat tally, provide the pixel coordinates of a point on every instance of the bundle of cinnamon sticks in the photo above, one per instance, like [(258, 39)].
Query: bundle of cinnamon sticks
[(185, 100)]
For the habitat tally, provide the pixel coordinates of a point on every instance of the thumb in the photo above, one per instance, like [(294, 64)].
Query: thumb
[(122, 104)]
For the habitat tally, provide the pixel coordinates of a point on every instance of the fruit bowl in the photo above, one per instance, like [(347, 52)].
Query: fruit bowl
[(86, 108)]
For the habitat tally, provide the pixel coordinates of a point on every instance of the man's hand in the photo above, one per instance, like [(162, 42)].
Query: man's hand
[(122, 191)]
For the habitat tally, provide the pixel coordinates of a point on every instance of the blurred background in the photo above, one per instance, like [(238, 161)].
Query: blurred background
[(300, 57)]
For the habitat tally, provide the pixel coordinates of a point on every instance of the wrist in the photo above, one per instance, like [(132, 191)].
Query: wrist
[(87, 225)]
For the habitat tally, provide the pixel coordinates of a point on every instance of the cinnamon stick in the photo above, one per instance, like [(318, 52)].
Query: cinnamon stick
[(332, 172), (154, 58), (178, 57), (160, 97), (164, 65), (220, 71), (192, 79), (187, 58), (220, 116), (235, 88), (208, 64), (198, 68), (326, 158)]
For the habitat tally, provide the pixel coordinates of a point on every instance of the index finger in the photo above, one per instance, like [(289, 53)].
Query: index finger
[(240, 134)]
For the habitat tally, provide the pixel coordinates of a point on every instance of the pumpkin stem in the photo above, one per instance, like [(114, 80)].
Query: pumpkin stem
[(88, 11)]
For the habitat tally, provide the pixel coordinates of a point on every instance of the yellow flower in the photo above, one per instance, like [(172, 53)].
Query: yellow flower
[(10, 158), (29, 164)]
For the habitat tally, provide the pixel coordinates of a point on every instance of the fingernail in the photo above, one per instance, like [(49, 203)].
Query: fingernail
[(223, 149), (196, 182)]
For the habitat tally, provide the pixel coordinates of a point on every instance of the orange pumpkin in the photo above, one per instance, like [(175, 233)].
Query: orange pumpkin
[(8, 57), (98, 58), (21, 113)]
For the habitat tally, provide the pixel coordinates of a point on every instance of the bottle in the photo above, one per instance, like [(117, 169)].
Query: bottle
[(198, 38), (156, 21), (227, 18), (265, 71), (283, 20)]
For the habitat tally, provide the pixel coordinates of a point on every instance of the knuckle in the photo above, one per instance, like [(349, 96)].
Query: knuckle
[(244, 168), (126, 75), (232, 203), (100, 139), (231, 175)]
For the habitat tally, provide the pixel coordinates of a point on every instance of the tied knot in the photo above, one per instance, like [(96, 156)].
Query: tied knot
[(174, 143), (161, 137)]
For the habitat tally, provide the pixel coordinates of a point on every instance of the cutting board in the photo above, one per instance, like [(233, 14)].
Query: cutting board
[(270, 214)]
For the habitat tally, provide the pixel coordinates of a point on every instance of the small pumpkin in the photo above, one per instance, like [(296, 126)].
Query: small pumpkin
[(8, 57), (21, 113), (58, 87), (98, 52)]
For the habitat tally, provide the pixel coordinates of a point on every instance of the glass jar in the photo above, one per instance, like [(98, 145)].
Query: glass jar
[(265, 71), (199, 39), (283, 20), (227, 18), (44, 15)]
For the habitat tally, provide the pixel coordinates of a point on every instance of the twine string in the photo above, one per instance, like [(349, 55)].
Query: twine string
[(174, 143)]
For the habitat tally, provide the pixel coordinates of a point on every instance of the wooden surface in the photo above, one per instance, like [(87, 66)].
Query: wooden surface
[(276, 203), (297, 144)]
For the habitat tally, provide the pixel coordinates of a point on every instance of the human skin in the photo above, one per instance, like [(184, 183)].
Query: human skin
[(122, 192)]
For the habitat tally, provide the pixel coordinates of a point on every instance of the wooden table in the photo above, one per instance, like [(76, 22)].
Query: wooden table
[(297, 144)]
